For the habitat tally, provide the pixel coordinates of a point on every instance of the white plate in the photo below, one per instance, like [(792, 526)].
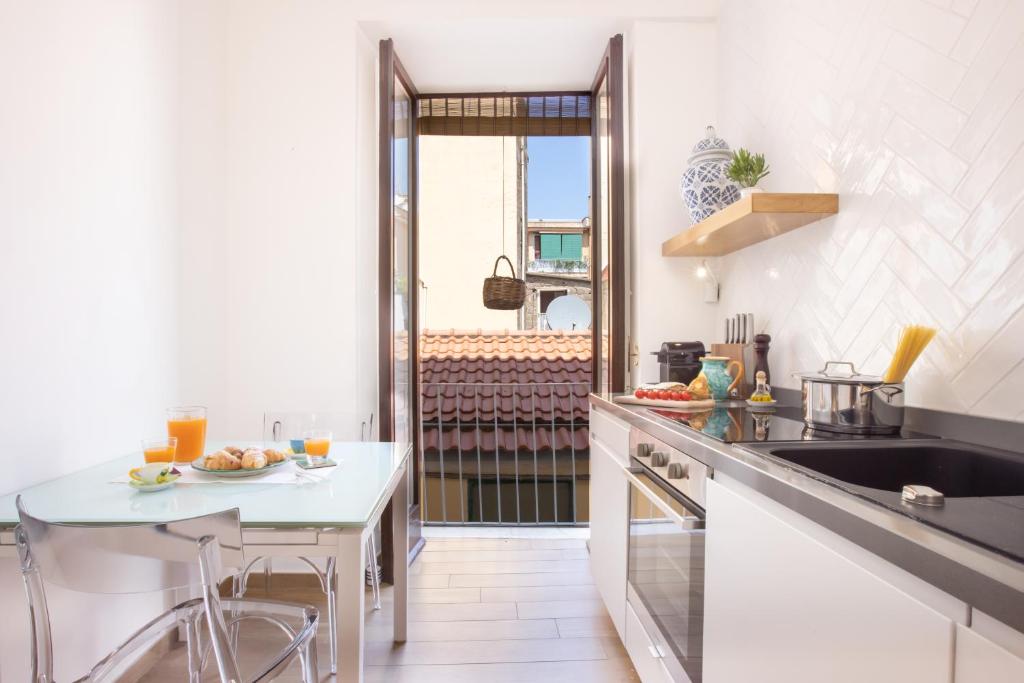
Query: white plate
[(236, 473)]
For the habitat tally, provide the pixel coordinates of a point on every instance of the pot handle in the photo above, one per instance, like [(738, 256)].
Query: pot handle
[(889, 390), (739, 374), (824, 370)]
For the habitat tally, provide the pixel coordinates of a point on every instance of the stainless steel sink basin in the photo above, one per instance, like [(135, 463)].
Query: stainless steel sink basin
[(957, 470)]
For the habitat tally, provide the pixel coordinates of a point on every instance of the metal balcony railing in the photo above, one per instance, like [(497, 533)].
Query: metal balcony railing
[(505, 453), (558, 266)]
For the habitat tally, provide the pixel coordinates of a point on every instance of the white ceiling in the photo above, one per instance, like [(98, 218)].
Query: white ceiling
[(495, 55)]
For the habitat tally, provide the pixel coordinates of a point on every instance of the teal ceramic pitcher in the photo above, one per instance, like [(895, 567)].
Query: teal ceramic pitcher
[(720, 382)]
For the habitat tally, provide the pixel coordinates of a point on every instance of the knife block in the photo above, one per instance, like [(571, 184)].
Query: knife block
[(744, 353)]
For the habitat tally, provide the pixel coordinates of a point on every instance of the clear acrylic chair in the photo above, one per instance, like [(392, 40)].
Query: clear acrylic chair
[(284, 426), (146, 558)]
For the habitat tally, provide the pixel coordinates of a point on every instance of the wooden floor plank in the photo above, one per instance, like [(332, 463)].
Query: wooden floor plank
[(429, 581), (586, 627), (486, 651), (566, 608), (432, 556), (539, 593), (543, 579), (513, 567), (444, 595), (484, 611), (507, 629), (598, 671)]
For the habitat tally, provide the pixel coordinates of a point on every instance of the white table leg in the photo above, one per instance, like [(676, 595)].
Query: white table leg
[(400, 536), (349, 601)]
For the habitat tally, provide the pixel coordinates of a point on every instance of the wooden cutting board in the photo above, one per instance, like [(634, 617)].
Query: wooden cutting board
[(687, 406)]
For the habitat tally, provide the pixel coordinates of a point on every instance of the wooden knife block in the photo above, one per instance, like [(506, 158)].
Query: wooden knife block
[(744, 353)]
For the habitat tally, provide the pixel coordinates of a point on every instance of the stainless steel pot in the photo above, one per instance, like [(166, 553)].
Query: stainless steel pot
[(851, 403)]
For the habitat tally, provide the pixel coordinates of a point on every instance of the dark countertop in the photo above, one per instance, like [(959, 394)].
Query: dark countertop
[(972, 549)]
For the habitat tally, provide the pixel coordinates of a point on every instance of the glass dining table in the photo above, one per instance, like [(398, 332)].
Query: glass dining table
[(329, 517)]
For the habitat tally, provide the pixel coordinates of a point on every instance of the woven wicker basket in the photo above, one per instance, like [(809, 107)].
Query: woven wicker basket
[(504, 293)]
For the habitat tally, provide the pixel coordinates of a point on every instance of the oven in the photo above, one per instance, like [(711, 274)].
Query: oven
[(666, 553)]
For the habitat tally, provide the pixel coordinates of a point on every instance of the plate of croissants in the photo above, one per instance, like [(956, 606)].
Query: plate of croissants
[(237, 462)]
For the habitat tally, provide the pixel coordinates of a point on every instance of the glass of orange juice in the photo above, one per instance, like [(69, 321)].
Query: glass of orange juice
[(159, 450), (317, 443), (188, 425)]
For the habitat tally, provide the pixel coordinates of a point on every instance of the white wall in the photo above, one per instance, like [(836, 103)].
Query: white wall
[(467, 190), (291, 212), (88, 267), (202, 178), (672, 81), (88, 209), (914, 113)]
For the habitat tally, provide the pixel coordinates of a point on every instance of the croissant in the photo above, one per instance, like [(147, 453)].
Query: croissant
[(222, 460), (253, 460), (273, 456)]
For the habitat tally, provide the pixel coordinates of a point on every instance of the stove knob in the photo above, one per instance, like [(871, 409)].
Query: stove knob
[(676, 470), (643, 450), (659, 459)]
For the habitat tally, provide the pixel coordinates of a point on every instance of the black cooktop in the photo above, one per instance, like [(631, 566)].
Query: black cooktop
[(737, 424)]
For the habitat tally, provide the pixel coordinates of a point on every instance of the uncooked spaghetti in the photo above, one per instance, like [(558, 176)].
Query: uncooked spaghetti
[(913, 340)]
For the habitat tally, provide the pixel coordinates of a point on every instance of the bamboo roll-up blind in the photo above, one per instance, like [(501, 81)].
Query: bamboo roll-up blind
[(504, 114)]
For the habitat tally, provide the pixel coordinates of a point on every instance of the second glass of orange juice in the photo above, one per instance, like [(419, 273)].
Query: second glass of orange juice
[(159, 450), (317, 443), (188, 425)]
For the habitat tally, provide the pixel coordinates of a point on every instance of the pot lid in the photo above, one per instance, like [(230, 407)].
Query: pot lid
[(840, 372)]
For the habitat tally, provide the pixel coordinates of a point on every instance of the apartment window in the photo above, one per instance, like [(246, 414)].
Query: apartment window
[(549, 295), (558, 247)]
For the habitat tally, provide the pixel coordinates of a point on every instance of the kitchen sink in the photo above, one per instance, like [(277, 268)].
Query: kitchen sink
[(957, 470)]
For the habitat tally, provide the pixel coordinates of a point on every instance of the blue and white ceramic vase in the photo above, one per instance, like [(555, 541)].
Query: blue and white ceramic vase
[(705, 187)]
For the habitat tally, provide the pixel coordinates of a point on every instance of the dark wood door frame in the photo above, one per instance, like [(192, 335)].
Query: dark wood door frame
[(390, 69), (610, 72)]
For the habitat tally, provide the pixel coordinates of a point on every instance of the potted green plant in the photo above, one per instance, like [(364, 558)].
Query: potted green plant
[(747, 170)]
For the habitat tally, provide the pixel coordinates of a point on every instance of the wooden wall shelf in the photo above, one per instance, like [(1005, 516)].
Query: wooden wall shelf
[(750, 220)]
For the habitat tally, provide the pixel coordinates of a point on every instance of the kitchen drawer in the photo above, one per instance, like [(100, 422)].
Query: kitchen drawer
[(642, 651), (611, 431)]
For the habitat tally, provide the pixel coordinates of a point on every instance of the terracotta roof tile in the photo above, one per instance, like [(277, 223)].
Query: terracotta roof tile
[(505, 344), (542, 378)]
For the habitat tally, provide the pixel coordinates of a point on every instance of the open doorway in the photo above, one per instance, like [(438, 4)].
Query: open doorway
[(504, 392), (499, 408)]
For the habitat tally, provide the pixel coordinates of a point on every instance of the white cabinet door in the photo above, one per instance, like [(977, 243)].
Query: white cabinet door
[(782, 607), (979, 660), (609, 530)]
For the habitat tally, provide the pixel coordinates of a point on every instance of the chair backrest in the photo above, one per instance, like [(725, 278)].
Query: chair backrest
[(141, 558), (279, 425)]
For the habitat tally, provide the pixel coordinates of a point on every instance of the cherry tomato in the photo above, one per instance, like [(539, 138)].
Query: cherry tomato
[(641, 393), (685, 396), (676, 395), (662, 395)]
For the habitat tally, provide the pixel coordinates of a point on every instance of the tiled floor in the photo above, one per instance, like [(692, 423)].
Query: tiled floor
[(493, 609)]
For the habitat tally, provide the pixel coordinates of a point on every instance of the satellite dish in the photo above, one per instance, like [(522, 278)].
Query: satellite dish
[(569, 312)]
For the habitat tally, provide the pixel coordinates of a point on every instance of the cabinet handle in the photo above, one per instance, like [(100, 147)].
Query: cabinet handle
[(655, 652)]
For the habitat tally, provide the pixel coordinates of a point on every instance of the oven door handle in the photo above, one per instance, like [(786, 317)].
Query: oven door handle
[(693, 523)]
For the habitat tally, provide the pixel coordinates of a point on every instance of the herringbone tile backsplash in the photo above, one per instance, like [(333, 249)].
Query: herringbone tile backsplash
[(913, 111)]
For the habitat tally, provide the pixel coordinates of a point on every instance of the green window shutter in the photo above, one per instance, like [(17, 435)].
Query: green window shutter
[(550, 246), (572, 247)]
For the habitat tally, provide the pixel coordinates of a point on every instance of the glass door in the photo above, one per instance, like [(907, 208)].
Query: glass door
[(398, 324), (609, 217)]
